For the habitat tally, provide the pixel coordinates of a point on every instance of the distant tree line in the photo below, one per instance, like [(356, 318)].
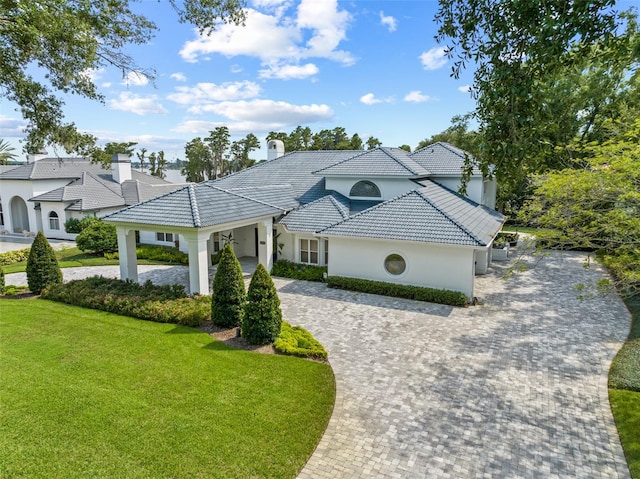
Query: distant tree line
[(303, 139), (156, 162)]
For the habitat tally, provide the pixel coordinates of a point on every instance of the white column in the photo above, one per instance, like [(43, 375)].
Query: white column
[(198, 263), (265, 243), (127, 253)]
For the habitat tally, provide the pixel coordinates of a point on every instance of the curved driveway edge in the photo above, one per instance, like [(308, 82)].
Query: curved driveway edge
[(516, 387)]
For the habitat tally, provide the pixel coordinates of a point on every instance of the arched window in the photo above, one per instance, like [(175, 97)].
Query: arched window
[(54, 221), (365, 188)]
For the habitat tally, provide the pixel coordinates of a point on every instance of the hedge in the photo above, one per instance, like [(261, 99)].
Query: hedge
[(162, 304), (308, 272), (12, 257), (297, 341), (419, 293)]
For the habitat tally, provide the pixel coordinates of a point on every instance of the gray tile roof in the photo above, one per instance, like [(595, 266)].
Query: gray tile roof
[(91, 187), (195, 205), (388, 162), (317, 215), (291, 169), (442, 159), (432, 214)]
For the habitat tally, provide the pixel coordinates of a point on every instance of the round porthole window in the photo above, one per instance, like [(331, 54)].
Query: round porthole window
[(395, 264)]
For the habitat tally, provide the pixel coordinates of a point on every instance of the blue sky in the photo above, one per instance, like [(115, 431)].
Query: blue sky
[(372, 67)]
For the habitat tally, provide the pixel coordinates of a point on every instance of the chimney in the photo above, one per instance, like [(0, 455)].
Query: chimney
[(120, 167), (275, 149), (40, 155)]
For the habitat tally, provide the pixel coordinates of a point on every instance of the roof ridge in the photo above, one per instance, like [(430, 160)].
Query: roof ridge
[(449, 217), (363, 152), (246, 197), (338, 206), (193, 201)]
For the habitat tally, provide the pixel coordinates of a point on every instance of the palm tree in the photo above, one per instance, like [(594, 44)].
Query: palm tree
[(6, 152)]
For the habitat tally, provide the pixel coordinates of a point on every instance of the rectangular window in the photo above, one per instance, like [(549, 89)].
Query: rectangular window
[(165, 237), (326, 252), (309, 251), (54, 223), (216, 242)]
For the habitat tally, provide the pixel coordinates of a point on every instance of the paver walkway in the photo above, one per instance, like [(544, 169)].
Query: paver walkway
[(514, 388)]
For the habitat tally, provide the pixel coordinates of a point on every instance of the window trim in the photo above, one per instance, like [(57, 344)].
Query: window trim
[(54, 221), (404, 261), (308, 251), (367, 183)]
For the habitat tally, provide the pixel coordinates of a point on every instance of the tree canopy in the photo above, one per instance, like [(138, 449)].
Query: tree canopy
[(50, 47), (546, 72)]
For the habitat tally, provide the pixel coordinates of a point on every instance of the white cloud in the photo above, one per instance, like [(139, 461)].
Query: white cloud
[(314, 30), (416, 96), (434, 58), (92, 74), (178, 76), (135, 79), (464, 88), (388, 21), (257, 116), (270, 111), (203, 94), (287, 72), (235, 68), (370, 99), (12, 127), (139, 105), (106, 84)]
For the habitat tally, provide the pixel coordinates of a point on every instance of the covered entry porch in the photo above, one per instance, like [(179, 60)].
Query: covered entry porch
[(252, 240)]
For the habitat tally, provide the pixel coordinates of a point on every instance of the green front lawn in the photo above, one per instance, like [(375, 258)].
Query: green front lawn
[(85, 393), (624, 390)]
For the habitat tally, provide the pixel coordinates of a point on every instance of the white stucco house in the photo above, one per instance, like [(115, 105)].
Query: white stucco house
[(381, 214), (43, 194)]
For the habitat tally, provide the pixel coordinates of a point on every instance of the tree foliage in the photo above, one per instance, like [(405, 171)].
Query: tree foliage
[(228, 293), (97, 237), (546, 73), (597, 206), (6, 152), (50, 47), (303, 139), (42, 266), (262, 314)]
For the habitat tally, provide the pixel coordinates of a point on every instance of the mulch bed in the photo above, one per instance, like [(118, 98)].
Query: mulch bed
[(231, 337)]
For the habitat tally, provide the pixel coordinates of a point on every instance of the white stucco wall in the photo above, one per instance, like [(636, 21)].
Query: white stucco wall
[(389, 187), (474, 187), (434, 266)]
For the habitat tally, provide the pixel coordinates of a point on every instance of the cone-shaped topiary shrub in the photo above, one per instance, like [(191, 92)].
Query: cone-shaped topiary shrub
[(228, 294), (1, 281), (262, 315), (42, 265)]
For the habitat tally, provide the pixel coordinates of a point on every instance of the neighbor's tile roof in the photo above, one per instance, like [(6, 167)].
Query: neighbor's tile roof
[(317, 215), (432, 214), (388, 162), (442, 159), (195, 205)]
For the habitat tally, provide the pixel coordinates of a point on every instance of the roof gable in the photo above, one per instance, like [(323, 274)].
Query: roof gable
[(319, 214), (432, 214), (381, 161)]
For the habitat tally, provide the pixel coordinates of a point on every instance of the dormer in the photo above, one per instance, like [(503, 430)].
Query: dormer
[(374, 175)]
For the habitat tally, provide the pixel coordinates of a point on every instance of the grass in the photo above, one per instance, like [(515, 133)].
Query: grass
[(626, 411), (624, 390), (73, 258), (85, 393)]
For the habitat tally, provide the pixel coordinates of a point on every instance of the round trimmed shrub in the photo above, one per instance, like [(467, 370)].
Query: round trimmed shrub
[(98, 237), (227, 292), (42, 266), (262, 314)]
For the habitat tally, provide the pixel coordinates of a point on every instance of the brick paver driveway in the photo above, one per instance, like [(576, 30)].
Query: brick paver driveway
[(516, 387)]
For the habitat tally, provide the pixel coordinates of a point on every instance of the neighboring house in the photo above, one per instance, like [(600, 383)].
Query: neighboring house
[(382, 214), (44, 194)]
